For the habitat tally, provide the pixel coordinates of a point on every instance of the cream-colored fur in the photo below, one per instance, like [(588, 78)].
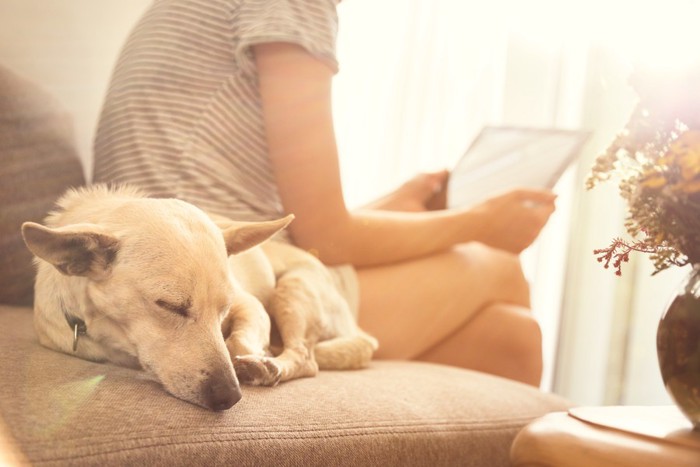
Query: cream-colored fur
[(162, 286)]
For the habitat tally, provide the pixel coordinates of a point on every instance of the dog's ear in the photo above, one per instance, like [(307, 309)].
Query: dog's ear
[(75, 250), (243, 235)]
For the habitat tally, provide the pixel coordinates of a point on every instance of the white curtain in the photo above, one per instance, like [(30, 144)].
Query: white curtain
[(419, 78)]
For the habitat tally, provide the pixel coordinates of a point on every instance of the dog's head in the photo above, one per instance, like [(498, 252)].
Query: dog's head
[(156, 280)]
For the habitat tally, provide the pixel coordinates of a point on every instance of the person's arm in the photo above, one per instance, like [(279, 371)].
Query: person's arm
[(295, 89)]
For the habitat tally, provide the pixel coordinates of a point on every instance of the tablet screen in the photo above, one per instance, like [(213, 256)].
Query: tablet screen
[(504, 158)]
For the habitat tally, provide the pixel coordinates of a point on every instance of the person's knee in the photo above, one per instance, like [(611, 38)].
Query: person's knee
[(499, 272), (515, 338)]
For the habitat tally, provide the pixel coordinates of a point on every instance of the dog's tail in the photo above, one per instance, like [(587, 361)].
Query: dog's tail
[(345, 353)]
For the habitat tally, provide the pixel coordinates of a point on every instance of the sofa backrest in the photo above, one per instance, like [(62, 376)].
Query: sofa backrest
[(39, 161)]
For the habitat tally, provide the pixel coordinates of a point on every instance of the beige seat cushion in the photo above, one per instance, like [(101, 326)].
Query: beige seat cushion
[(60, 409)]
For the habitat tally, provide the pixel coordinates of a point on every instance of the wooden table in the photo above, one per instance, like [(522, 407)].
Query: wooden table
[(609, 436)]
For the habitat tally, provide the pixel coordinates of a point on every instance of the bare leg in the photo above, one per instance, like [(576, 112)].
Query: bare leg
[(503, 340), (414, 307)]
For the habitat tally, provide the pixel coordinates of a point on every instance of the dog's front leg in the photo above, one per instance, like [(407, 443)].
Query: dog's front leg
[(246, 331), (294, 307)]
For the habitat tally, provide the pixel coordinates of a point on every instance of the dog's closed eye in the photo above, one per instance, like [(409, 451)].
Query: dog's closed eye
[(180, 309)]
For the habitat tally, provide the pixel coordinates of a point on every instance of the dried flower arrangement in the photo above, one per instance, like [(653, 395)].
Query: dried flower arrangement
[(656, 159)]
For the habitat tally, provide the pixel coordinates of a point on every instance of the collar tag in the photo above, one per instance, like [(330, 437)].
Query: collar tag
[(79, 329)]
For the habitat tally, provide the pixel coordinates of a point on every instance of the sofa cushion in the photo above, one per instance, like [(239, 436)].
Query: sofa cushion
[(39, 162), (59, 409)]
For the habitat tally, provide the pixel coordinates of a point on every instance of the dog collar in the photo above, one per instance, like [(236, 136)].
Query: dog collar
[(78, 326)]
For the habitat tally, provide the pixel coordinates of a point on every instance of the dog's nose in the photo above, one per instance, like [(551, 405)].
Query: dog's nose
[(221, 393)]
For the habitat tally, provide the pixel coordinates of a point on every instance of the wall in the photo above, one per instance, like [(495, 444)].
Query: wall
[(68, 47)]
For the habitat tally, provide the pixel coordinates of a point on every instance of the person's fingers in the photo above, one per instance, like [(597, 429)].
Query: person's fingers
[(437, 199), (535, 195), (434, 181), (440, 176)]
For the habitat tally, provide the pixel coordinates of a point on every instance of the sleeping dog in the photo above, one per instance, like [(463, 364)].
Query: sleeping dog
[(158, 284)]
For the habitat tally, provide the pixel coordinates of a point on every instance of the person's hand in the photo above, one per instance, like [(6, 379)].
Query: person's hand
[(512, 221), (421, 193)]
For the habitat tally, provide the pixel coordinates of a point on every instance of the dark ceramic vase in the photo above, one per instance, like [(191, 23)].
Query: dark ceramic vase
[(678, 346)]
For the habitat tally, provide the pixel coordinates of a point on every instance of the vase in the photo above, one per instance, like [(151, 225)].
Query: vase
[(678, 347)]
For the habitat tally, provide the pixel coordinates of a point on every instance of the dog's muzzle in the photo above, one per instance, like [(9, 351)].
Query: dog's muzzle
[(221, 392)]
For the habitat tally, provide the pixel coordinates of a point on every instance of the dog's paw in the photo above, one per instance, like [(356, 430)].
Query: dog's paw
[(257, 371)]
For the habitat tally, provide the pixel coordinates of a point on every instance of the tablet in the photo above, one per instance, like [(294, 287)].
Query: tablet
[(504, 158)]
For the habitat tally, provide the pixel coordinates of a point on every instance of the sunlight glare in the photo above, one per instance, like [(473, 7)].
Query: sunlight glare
[(65, 401), (658, 34)]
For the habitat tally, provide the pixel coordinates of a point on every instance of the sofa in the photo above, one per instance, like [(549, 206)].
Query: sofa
[(59, 410)]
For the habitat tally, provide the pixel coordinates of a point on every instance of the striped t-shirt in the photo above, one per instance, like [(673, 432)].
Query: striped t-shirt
[(183, 118)]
